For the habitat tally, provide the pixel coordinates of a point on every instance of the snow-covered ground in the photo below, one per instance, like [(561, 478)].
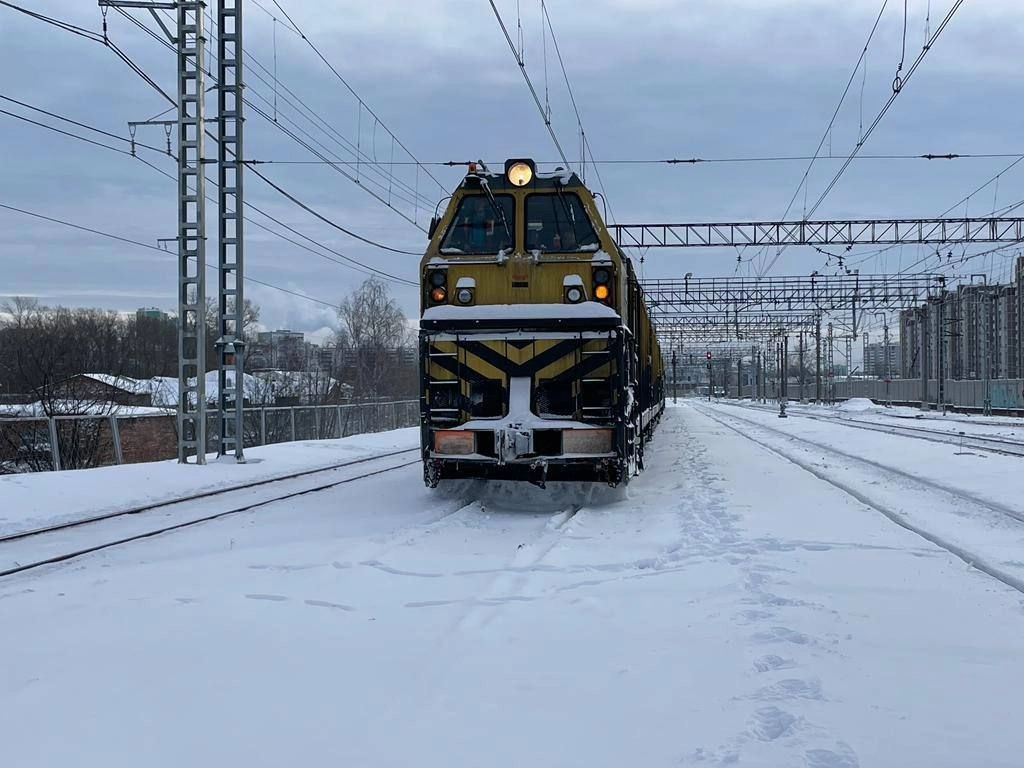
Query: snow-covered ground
[(30, 500), (862, 409), (729, 607)]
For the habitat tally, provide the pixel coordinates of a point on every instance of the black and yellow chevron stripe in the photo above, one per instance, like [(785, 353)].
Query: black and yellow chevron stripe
[(559, 360)]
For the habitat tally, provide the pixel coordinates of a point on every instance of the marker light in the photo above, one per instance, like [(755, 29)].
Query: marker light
[(438, 294), (601, 275), (437, 278), (601, 292), (520, 174)]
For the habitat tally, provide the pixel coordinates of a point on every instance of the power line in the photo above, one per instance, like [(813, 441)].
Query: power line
[(391, 179), (529, 83), (828, 129), (687, 161), (892, 98), (76, 123), (315, 213), (65, 133), (337, 226), (141, 244), (897, 90), (262, 113), (351, 90), (354, 264)]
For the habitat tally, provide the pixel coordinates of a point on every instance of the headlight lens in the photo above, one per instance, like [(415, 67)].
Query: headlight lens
[(520, 174), (574, 295), (464, 295)]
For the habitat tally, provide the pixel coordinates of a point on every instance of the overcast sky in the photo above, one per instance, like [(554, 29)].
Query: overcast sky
[(653, 79)]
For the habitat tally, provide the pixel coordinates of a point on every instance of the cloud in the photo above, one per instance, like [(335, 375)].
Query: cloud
[(652, 79)]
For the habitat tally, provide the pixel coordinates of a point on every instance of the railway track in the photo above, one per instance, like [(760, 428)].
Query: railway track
[(953, 499), (990, 444), (31, 549)]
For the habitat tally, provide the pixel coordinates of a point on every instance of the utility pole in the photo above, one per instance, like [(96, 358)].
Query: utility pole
[(923, 318), (817, 361), (986, 349), (190, 45), (831, 366), (230, 305), (674, 383), (941, 353), (888, 361), (802, 393), (710, 378)]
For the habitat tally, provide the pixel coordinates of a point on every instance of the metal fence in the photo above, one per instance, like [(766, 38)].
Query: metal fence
[(1003, 394), (39, 444)]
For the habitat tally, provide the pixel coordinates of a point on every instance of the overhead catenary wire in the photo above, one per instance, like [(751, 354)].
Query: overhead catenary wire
[(888, 104), (320, 216), (289, 132), (351, 90), (529, 83), (140, 244), (345, 261), (878, 118)]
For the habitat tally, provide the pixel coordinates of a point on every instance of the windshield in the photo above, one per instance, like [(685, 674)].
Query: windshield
[(478, 226), (558, 222)]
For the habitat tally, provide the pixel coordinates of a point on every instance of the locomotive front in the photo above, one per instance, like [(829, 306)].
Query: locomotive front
[(526, 357)]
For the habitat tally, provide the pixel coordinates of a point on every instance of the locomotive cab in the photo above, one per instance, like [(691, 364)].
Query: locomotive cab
[(536, 362)]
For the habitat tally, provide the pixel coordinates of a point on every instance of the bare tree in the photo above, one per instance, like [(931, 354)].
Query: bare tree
[(46, 350), (372, 328)]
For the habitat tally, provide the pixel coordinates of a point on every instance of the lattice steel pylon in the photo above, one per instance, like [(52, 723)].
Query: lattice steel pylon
[(230, 305), (191, 49)]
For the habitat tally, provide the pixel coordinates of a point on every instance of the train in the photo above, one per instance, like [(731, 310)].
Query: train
[(538, 359)]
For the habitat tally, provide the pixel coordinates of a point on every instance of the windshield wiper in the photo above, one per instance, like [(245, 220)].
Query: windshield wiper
[(501, 214)]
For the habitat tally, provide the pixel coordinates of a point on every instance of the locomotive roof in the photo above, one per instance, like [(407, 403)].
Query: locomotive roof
[(541, 181)]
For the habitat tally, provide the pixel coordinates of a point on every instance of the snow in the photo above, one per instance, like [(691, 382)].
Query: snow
[(35, 499), (727, 607), (135, 386), (585, 309), (857, 404)]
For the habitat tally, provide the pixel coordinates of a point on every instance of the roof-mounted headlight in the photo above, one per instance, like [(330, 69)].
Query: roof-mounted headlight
[(519, 172)]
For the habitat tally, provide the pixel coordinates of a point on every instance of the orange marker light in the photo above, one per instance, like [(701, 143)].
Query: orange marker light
[(438, 294), (601, 292)]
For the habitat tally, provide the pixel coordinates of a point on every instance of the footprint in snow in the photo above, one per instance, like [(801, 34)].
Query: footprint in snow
[(826, 758), (791, 688), (771, 723), (782, 634), (772, 662)]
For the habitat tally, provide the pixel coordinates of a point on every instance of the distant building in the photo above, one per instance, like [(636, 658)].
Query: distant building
[(967, 333), (882, 361), (150, 313), (281, 349)]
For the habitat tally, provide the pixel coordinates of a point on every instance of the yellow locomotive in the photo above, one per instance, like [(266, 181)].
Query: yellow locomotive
[(538, 359)]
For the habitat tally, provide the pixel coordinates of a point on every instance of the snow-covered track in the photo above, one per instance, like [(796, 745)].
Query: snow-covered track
[(864, 493), (19, 552), (991, 444)]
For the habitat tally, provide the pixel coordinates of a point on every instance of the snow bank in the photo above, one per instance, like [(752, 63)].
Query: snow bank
[(857, 404)]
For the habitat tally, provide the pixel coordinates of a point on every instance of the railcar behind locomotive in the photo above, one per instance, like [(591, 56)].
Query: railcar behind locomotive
[(538, 358)]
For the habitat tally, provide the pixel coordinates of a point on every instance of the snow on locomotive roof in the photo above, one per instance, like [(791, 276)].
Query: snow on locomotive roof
[(583, 310)]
